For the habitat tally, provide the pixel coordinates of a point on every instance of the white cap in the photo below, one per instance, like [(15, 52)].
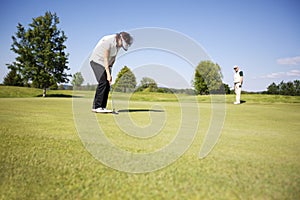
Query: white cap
[(235, 66)]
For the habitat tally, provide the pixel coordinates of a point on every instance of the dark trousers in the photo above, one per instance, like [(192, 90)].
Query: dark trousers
[(102, 91)]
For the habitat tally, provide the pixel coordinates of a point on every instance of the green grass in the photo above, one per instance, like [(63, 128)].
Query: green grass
[(24, 92), (9, 91), (257, 155)]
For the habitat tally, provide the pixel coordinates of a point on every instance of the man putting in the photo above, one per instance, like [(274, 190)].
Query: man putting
[(238, 82), (101, 61)]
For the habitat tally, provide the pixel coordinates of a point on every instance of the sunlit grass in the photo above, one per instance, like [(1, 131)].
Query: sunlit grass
[(256, 157)]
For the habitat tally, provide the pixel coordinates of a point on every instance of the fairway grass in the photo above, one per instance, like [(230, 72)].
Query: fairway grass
[(256, 157)]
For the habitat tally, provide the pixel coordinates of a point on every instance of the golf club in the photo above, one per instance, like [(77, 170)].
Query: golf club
[(112, 103)]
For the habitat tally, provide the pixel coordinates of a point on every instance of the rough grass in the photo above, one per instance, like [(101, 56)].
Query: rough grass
[(24, 92), (257, 156), (10, 91)]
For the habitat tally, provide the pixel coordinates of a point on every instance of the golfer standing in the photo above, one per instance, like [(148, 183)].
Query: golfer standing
[(101, 61), (238, 82)]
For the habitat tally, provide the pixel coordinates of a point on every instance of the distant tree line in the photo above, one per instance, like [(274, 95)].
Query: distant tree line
[(289, 88), (41, 62), (126, 82), (207, 80)]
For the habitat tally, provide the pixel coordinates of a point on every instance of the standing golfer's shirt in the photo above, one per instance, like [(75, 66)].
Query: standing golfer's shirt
[(237, 76), (106, 43)]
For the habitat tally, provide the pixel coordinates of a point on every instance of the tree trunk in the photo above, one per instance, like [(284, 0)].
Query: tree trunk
[(44, 92)]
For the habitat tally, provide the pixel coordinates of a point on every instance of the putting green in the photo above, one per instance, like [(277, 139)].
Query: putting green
[(256, 157)]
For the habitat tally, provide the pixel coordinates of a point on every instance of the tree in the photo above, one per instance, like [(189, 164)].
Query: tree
[(199, 84), (208, 78), (77, 79), (41, 57), (125, 81), (289, 88), (13, 79), (148, 83), (282, 88), (297, 87), (273, 89), (226, 88)]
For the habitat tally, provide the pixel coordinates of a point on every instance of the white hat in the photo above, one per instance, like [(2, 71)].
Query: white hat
[(235, 66)]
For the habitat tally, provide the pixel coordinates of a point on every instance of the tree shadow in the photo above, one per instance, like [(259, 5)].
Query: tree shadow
[(138, 110)]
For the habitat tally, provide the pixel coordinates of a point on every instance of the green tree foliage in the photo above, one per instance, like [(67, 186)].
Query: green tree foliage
[(283, 89), (199, 84), (273, 89), (226, 88), (297, 87), (289, 88), (148, 84), (208, 78), (13, 79), (40, 49), (125, 81), (77, 79)]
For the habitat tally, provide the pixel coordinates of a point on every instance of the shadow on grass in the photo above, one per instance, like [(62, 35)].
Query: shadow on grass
[(242, 101), (60, 96), (139, 110)]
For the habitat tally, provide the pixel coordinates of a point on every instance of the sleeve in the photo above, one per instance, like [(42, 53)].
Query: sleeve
[(241, 73)]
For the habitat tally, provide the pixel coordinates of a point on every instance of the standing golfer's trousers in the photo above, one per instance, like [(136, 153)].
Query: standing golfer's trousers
[(102, 91), (237, 90)]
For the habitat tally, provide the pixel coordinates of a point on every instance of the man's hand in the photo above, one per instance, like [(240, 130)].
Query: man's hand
[(109, 78)]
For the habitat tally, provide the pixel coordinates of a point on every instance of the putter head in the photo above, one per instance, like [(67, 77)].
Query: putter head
[(115, 112)]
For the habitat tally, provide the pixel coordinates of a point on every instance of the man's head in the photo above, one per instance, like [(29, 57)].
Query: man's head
[(126, 39), (236, 68)]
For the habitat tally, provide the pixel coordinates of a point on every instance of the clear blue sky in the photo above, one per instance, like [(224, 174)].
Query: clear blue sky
[(261, 36)]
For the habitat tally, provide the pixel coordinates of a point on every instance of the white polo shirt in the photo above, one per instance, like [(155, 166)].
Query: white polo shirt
[(237, 76), (106, 43)]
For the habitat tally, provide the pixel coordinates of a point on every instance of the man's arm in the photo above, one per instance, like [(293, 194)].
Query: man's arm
[(113, 61), (241, 77), (106, 65)]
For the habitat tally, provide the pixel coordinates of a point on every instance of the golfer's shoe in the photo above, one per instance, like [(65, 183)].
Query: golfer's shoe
[(106, 110), (101, 110), (97, 110), (236, 103)]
